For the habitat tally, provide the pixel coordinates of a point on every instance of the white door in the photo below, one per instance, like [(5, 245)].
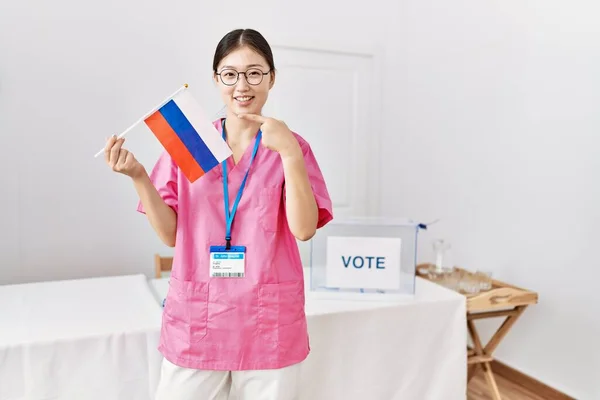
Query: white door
[(331, 99)]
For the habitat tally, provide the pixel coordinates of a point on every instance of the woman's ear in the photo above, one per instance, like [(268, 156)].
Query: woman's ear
[(215, 78), (272, 74)]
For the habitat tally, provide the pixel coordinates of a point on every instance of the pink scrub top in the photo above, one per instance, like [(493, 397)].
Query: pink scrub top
[(249, 323)]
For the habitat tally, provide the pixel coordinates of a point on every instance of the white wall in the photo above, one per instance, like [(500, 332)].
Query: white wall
[(72, 73), (489, 123), (494, 127)]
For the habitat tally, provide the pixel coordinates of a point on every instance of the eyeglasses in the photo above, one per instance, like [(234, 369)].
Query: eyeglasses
[(253, 76)]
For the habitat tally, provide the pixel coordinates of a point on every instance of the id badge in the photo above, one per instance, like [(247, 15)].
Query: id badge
[(227, 263)]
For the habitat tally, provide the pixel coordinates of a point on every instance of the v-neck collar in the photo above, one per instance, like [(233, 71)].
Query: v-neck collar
[(234, 169)]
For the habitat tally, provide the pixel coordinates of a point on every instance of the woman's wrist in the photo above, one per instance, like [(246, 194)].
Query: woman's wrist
[(291, 152)]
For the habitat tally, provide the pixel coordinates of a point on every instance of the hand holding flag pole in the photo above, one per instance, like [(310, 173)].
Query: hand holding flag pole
[(126, 131)]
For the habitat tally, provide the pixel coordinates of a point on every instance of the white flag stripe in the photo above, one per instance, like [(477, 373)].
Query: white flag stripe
[(205, 128)]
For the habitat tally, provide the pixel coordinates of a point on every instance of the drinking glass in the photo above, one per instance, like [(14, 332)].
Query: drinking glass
[(484, 278)]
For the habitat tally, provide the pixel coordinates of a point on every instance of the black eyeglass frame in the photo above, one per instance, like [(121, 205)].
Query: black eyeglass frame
[(245, 76)]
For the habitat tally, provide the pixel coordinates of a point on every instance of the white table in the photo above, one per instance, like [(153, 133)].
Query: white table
[(87, 339), (406, 350)]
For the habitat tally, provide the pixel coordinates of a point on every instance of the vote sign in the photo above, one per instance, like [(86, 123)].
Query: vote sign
[(363, 262)]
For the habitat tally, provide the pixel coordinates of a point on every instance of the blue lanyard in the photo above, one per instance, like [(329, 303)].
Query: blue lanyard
[(229, 215)]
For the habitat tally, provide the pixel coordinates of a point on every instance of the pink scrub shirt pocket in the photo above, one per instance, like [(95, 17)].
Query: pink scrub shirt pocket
[(186, 310), (279, 305), (269, 205)]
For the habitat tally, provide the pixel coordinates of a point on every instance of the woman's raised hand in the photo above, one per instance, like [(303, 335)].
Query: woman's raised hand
[(120, 159)]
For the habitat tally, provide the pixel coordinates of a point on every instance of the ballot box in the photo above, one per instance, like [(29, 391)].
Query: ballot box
[(366, 258)]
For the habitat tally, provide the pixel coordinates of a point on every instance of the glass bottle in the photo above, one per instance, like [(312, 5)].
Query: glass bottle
[(440, 249)]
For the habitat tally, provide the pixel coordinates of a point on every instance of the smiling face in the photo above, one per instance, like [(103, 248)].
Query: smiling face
[(249, 94)]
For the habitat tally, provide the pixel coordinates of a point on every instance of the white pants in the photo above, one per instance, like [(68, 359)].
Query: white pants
[(177, 383)]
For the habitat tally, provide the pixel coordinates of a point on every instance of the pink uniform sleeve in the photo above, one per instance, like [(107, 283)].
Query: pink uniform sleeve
[(317, 182), (164, 179)]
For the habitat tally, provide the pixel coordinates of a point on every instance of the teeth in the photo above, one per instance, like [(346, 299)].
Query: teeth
[(245, 98)]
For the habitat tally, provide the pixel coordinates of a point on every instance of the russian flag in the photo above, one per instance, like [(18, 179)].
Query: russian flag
[(192, 140)]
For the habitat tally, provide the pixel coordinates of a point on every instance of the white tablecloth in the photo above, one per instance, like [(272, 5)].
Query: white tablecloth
[(405, 350), (87, 339)]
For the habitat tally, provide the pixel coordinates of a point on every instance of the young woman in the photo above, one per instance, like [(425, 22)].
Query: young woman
[(243, 326)]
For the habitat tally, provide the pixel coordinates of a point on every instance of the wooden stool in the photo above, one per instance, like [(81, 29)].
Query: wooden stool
[(502, 300)]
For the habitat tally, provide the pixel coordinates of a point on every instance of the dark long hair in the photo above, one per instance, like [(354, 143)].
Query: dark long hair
[(243, 37)]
